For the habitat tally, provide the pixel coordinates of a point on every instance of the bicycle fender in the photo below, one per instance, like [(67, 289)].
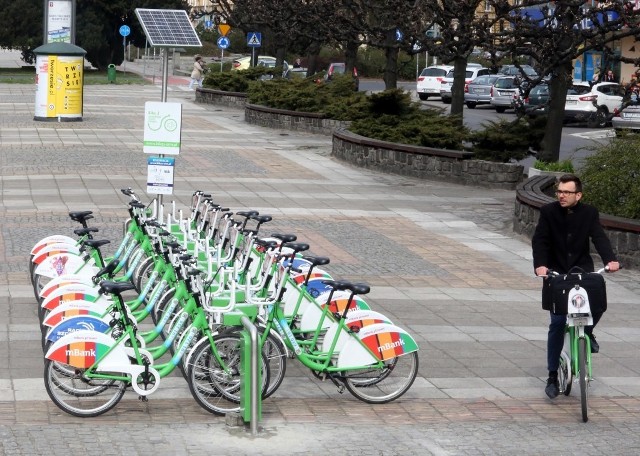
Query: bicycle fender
[(53, 239), (64, 263), (54, 249), (76, 308), (68, 279), (82, 348), (73, 292), (356, 320), (77, 323), (378, 342)]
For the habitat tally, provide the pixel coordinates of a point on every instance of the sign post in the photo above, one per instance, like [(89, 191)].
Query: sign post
[(254, 40), (223, 41), (124, 31)]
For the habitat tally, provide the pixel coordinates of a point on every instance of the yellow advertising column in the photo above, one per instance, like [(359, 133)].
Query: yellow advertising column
[(59, 82)]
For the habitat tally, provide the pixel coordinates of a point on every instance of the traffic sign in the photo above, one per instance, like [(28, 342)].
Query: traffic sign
[(208, 24), (254, 39), (224, 29), (399, 35), (223, 42), (125, 30)]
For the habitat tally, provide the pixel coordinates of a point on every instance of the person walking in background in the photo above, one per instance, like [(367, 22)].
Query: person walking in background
[(561, 243), (198, 71)]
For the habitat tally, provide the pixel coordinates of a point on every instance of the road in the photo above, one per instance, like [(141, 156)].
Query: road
[(576, 142)]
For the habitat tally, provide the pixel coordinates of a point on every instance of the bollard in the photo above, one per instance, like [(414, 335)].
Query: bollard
[(254, 391)]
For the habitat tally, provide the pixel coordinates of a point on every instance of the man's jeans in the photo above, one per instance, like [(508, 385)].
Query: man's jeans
[(555, 340)]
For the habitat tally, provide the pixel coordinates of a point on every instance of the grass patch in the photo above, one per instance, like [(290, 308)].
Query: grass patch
[(26, 75)]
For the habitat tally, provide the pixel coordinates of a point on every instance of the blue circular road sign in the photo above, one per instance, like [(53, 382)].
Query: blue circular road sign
[(223, 42), (125, 30)]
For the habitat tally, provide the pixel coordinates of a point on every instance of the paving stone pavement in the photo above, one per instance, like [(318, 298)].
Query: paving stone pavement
[(441, 259)]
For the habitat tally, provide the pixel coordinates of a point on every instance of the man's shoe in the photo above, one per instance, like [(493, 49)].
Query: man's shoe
[(553, 387), (595, 347)]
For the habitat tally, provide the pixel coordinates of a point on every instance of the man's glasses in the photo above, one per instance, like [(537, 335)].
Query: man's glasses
[(565, 193)]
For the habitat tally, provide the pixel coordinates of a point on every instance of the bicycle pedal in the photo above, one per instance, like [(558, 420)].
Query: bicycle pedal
[(143, 398)]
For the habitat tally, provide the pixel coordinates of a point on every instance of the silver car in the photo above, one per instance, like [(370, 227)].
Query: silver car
[(503, 93), (478, 91), (628, 118)]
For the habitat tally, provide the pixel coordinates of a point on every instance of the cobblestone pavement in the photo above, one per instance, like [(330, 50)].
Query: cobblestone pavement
[(441, 259)]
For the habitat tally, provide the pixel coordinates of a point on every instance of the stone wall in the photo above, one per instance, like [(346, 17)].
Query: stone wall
[(424, 162), (535, 192), (220, 97), (283, 119)]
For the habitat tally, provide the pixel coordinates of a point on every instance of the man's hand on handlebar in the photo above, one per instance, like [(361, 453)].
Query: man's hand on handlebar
[(613, 266), (542, 271)]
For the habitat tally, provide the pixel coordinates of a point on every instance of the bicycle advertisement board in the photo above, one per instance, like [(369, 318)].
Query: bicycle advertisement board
[(162, 128)]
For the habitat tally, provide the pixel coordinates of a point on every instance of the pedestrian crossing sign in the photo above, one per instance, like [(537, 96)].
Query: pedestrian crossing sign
[(254, 39)]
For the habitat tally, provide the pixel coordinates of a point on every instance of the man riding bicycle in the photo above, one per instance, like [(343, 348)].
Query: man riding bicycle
[(560, 243)]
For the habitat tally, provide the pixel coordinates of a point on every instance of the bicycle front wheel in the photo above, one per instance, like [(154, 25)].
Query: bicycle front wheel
[(583, 375), (214, 387), (382, 384), (77, 395)]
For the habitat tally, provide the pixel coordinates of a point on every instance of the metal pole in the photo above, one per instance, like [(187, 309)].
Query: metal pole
[(124, 54), (165, 73), (221, 58), (253, 333), (146, 57)]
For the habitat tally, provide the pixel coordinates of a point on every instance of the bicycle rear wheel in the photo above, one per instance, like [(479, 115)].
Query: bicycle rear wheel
[(379, 385), (583, 375), (73, 393)]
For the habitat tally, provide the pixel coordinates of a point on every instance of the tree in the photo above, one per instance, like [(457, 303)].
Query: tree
[(97, 26), (455, 29), (552, 35)]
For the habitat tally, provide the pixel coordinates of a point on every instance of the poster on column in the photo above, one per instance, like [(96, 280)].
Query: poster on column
[(59, 21), (59, 86), (160, 175)]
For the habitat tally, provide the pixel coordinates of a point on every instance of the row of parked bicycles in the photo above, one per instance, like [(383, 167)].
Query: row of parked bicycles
[(187, 280)]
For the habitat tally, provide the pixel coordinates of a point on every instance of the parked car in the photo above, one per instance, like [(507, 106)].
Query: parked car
[(340, 68), (594, 104), (628, 118), (294, 73), (478, 91), (512, 70), (537, 101), (503, 93), (244, 63), (429, 81), (472, 72)]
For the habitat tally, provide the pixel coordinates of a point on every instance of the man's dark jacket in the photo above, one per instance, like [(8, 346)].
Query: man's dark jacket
[(561, 240)]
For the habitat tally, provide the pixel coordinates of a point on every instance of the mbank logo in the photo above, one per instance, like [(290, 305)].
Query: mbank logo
[(391, 345), (78, 352)]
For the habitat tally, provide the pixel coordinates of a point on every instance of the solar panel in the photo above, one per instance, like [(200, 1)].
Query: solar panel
[(168, 28)]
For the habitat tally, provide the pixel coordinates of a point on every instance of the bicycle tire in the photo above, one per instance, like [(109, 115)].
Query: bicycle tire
[(213, 390), (379, 385), (276, 354), (564, 375), (70, 395), (142, 273), (160, 308), (583, 375)]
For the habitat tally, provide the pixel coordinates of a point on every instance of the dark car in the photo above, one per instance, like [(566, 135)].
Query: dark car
[(537, 101), (340, 68)]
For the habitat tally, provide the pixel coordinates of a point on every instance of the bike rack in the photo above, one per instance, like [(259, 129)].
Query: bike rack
[(254, 373)]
